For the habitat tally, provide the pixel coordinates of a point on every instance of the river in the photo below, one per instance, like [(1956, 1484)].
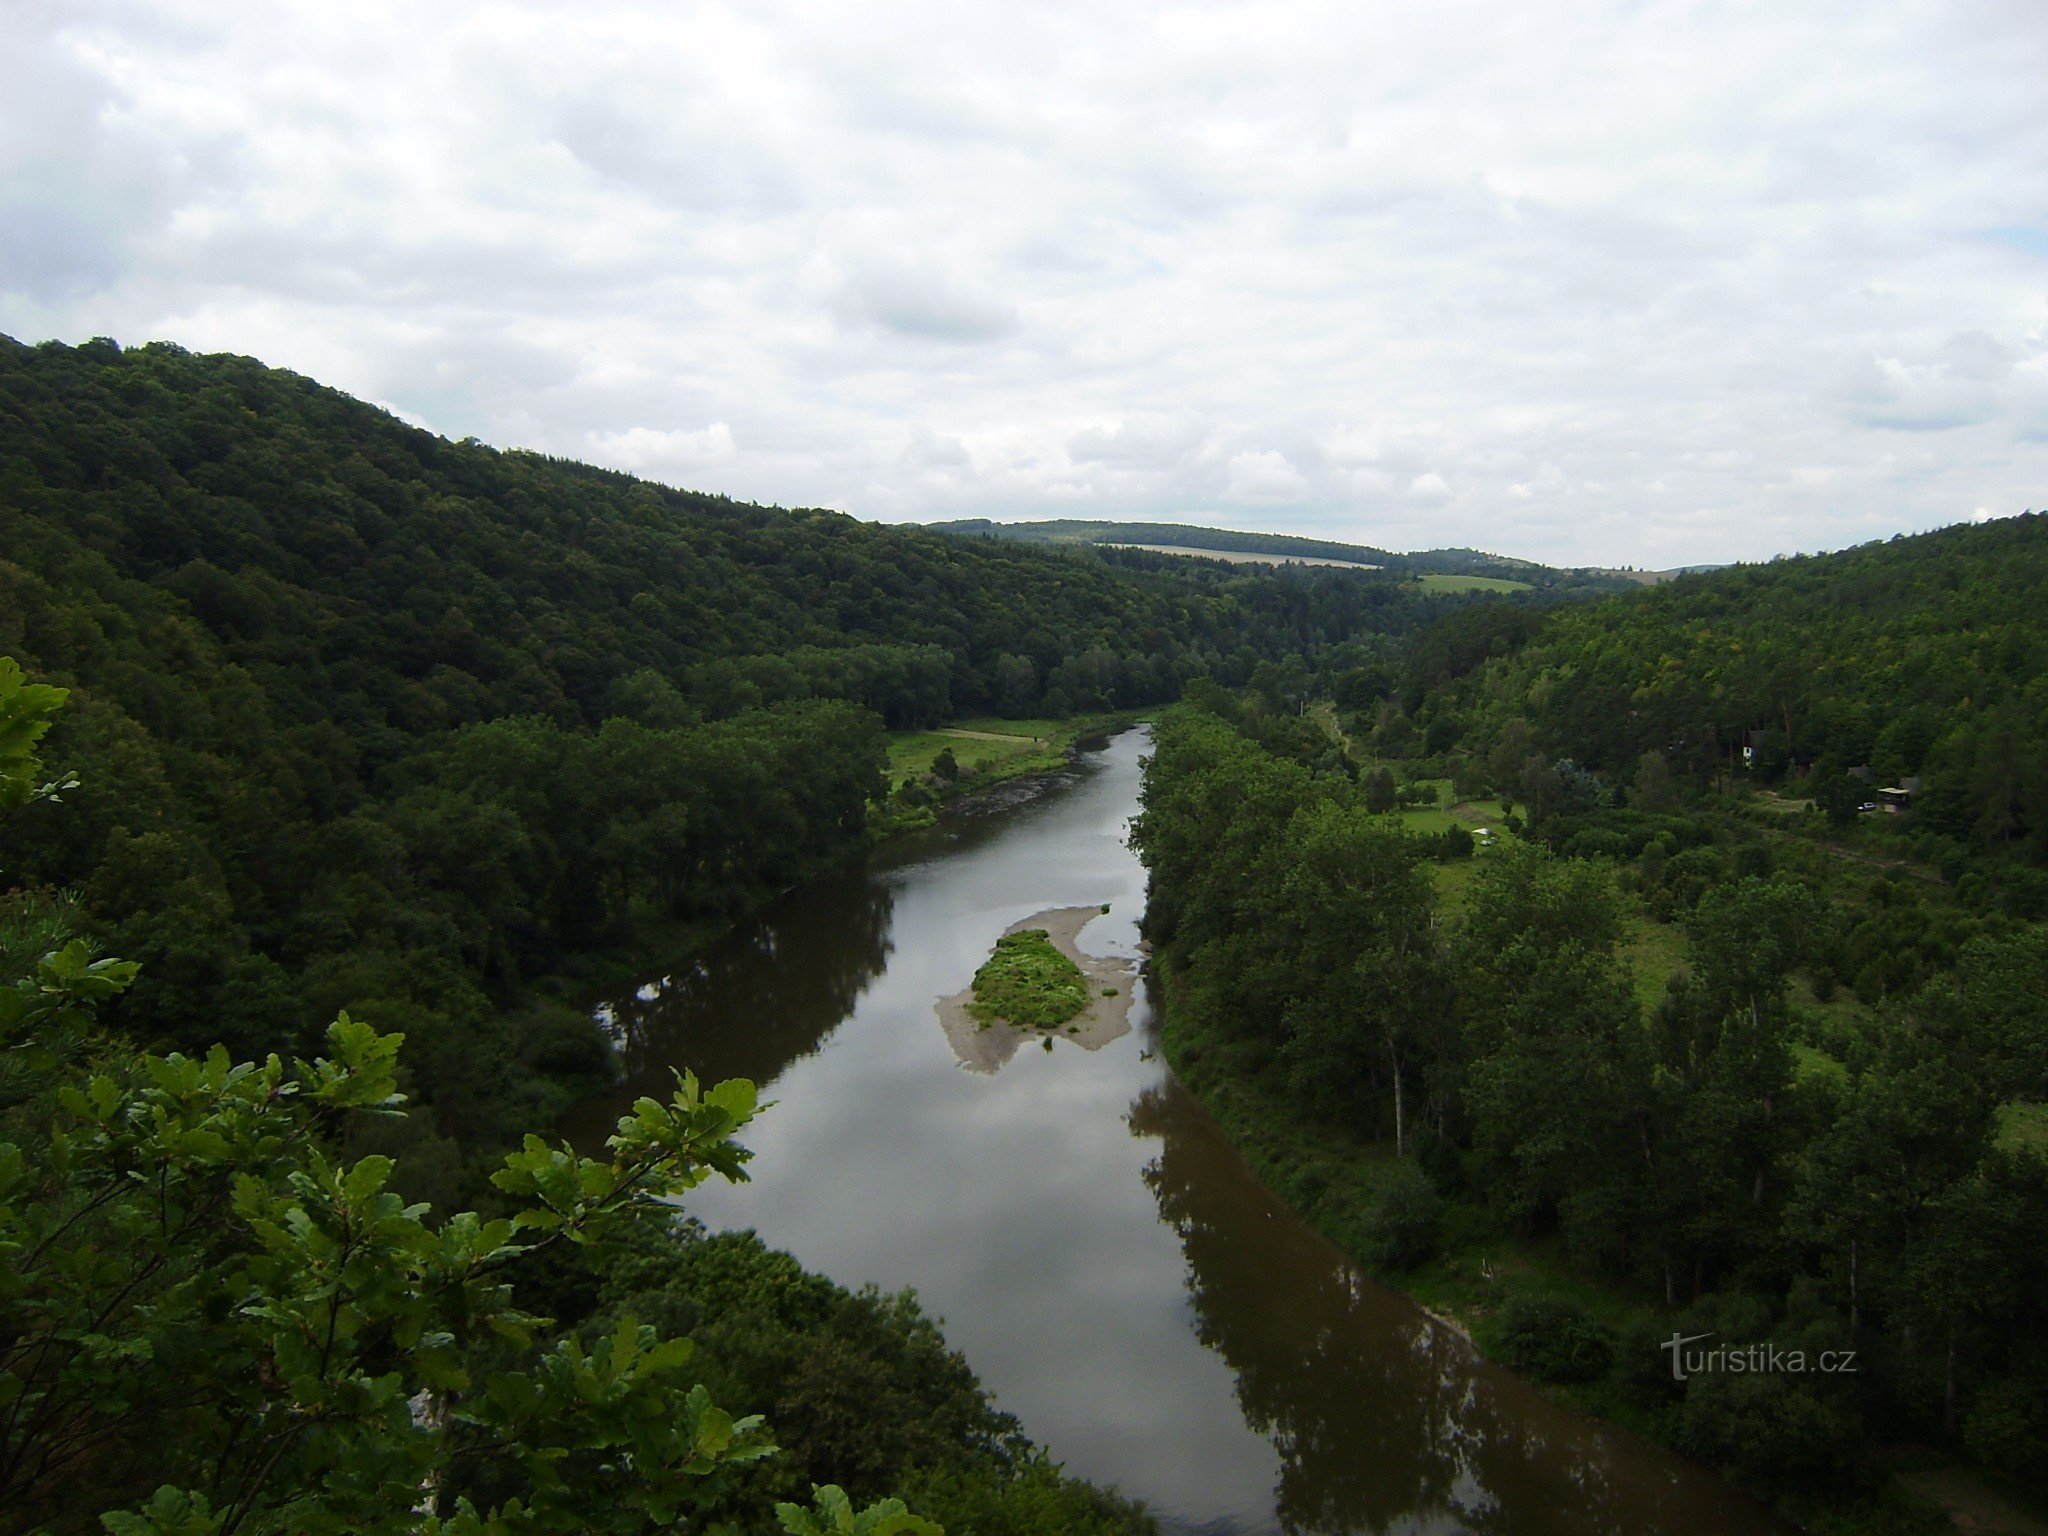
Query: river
[(1106, 1262)]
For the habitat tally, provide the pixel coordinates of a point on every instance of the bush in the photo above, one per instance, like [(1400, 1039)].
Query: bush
[(2007, 1427), (1028, 982), (1773, 1430), (1403, 1229), (1553, 1338)]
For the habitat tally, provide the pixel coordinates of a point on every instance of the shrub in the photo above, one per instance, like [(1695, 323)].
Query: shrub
[(1553, 1338), (2007, 1427), (1403, 1229), (1028, 982), (1773, 1430)]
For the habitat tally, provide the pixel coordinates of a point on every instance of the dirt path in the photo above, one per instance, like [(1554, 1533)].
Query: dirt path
[(1973, 1506)]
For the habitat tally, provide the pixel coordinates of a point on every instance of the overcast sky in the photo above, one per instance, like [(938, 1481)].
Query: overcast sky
[(1595, 283)]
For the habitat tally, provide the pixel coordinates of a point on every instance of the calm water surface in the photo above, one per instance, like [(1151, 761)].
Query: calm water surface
[(1113, 1272)]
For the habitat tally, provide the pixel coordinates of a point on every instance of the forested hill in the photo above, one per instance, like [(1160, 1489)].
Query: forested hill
[(1084, 531), (1924, 657), (1074, 532), (367, 719), (419, 583)]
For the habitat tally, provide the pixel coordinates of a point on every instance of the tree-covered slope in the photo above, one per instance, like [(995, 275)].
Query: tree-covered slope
[(311, 535), (1175, 537), (1922, 657), (1072, 530)]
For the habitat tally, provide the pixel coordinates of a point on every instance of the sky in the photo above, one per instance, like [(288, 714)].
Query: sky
[(1592, 283)]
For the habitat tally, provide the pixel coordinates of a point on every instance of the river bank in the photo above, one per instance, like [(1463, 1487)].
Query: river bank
[(1334, 1181), (1042, 749)]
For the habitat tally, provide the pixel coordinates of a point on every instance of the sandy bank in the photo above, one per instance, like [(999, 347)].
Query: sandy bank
[(984, 1048)]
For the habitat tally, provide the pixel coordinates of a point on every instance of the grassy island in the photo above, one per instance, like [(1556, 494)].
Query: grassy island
[(1029, 983)]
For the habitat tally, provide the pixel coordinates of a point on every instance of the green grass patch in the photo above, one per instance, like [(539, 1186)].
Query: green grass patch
[(1453, 884), (1654, 952), (912, 753), (1028, 982), (1438, 582), (1423, 818), (2023, 1126), (1811, 1064), (988, 751)]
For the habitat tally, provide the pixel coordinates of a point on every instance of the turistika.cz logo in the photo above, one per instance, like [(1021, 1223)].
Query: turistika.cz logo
[(1750, 1359)]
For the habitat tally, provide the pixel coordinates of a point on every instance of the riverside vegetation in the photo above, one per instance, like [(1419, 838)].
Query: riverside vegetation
[(1029, 983), (1703, 1050), (215, 1318)]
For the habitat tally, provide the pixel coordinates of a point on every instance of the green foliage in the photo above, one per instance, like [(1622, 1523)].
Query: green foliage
[(2007, 1427), (26, 710), (1922, 657), (1774, 1431), (1379, 790), (1404, 1227), (213, 1319), (833, 1514), (1551, 1337), (1893, 1203), (189, 1268), (1028, 982)]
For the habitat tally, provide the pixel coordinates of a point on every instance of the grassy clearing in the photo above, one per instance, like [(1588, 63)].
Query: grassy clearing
[(1437, 582), (1028, 982), (912, 753), (1454, 884), (2023, 1126), (1654, 952), (1417, 818), (989, 751)]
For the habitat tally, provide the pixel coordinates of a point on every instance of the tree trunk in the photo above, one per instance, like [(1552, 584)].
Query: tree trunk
[(1948, 1390), (1855, 1297), (1400, 1117)]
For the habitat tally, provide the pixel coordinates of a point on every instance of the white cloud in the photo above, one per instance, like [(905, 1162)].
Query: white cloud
[(1618, 283), (1429, 490), (1264, 475), (647, 450)]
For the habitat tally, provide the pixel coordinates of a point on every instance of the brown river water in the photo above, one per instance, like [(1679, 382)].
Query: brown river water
[(1104, 1259)]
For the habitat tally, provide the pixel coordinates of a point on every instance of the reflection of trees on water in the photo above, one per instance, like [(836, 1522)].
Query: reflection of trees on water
[(1381, 1420), (763, 997)]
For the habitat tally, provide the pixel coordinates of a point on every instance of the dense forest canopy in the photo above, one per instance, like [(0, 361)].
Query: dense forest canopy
[(1921, 658), (1734, 1163)]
